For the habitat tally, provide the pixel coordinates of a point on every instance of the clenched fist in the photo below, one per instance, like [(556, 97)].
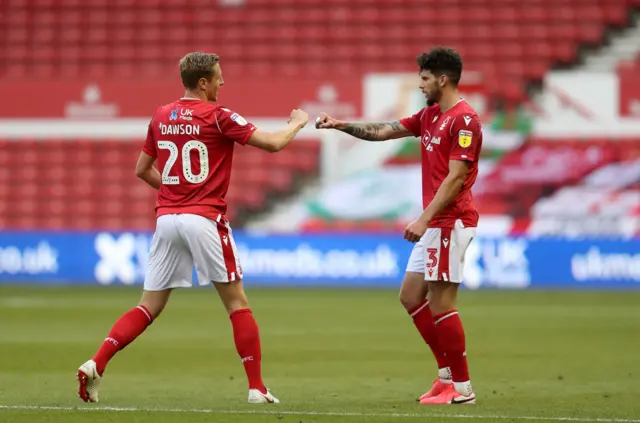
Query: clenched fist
[(324, 121), (299, 116)]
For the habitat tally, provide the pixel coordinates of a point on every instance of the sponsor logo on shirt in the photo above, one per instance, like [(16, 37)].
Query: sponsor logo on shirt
[(425, 138), (186, 114)]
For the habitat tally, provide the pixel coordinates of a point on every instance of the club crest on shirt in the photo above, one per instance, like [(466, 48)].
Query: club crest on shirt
[(464, 138), (444, 124)]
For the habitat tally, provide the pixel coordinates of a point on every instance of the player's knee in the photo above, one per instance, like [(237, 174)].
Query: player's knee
[(413, 291), (154, 308), (232, 295), (155, 301), (410, 299)]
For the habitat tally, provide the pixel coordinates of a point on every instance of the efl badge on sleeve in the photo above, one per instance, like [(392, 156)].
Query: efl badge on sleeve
[(238, 119), (464, 138)]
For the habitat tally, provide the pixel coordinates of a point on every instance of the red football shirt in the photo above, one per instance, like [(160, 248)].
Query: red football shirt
[(193, 141), (454, 135)]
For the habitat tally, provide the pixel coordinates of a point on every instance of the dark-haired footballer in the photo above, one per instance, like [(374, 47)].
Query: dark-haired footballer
[(451, 137)]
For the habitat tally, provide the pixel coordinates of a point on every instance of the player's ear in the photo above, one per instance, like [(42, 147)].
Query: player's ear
[(444, 78)]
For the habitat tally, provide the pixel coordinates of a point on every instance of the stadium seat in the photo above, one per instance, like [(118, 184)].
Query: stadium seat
[(523, 176), (72, 38), (123, 202), (510, 40)]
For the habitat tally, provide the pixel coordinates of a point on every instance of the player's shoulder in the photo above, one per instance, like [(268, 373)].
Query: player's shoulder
[(165, 108), (224, 110), (465, 117), (232, 115), (465, 109)]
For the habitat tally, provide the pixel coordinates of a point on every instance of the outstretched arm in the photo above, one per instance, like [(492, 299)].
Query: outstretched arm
[(365, 131), (276, 141), (236, 128), (375, 131)]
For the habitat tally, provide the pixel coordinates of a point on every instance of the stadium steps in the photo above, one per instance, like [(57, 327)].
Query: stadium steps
[(624, 46)]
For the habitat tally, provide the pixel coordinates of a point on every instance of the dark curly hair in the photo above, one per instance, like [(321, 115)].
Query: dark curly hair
[(442, 61)]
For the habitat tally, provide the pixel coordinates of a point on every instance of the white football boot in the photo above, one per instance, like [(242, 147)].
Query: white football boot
[(257, 397), (89, 382)]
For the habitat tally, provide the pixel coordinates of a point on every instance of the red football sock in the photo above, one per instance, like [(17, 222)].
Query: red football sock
[(247, 340), (451, 337), (422, 318), (126, 329)]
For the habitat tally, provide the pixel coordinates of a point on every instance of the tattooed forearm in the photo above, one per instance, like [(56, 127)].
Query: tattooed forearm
[(373, 131)]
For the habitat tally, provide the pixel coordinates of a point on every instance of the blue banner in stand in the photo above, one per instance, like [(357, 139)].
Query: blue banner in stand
[(366, 260)]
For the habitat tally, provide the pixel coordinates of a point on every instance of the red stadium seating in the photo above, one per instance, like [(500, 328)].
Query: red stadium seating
[(56, 184), (511, 39), (542, 167)]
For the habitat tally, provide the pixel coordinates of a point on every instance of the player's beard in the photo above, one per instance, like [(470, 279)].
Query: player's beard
[(433, 97)]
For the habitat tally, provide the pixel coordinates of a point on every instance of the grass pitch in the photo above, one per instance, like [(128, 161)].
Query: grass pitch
[(329, 355)]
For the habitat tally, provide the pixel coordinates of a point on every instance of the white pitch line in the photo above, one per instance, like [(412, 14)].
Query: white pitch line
[(318, 413)]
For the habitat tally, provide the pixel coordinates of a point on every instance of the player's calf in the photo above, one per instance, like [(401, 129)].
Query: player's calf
[(451, 333), (413, 296), (128, 327), (247, 340), (246, 337)]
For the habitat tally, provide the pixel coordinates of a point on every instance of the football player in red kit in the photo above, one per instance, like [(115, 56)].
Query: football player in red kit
[(451, 137), (192, 142)]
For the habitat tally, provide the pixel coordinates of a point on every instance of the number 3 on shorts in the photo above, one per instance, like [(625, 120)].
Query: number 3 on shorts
[(433, 257)]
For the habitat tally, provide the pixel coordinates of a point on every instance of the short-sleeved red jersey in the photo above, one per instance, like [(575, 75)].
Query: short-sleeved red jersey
[(453, 135), (193, 141)]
